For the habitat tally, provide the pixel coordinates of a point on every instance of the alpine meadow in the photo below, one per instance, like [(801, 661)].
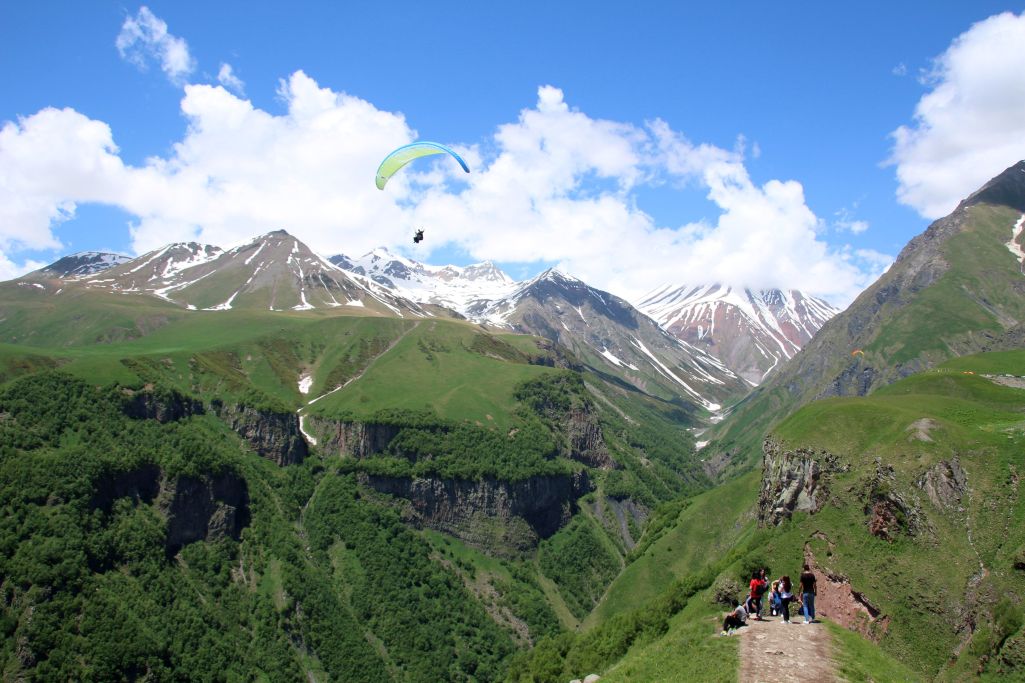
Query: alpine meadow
[(663, 415)]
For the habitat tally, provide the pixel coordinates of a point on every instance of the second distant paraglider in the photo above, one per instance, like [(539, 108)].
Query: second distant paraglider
[(407, 153)]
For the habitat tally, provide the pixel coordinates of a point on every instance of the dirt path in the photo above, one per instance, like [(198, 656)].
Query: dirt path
[(774, 652)]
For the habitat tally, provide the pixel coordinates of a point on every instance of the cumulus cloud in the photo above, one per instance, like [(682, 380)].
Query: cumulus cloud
[(553, 186), (226, 77), (144, 37), (970, 126)]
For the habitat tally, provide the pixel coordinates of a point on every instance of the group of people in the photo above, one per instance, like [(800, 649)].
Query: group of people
[(781, 596)]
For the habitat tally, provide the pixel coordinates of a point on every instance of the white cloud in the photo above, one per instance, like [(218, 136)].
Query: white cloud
[(971, 125), (900, 70), (226, 77), (144, 37), (845, 222), (555, 185)]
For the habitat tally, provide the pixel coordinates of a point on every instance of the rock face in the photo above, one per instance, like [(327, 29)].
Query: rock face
[(793, 480), (274, 435), (461, 507), (200, 508), (163, 406), (586, 442), (196, 508), (355, 439), (945, 484), (890, 511)]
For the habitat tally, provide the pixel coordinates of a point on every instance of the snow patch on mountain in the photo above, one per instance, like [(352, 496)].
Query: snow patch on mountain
[(459, 288), (1014, 246), (750, 331)]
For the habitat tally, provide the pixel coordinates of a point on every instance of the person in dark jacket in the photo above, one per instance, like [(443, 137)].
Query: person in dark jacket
[(808, 594)]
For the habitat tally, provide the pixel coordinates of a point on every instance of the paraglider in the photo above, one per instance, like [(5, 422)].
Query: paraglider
[(855, 352), (407, 153), (418, 237)]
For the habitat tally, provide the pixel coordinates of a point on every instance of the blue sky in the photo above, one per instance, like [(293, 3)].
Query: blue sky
[(630, 144)]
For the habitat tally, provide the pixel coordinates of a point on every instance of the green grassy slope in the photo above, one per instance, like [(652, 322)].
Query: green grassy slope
[(926, 580), (945, 563), (317, 561), (684, 538), (945, 297), (450, 369)]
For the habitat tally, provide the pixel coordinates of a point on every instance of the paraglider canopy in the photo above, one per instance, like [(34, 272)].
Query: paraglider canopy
[(855, 352), (407, 153)]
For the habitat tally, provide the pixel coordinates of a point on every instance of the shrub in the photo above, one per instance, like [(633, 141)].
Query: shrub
[(726, 591)]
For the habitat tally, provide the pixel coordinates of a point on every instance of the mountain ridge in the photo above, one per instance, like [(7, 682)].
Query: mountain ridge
[(955, 289), (752, 332)]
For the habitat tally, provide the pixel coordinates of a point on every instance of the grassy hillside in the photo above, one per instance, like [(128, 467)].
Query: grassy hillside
[(327, 577), (954, 290), (948, 577)]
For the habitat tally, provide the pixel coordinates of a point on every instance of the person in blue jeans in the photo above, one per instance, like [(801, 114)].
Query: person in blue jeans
[(808, 594)]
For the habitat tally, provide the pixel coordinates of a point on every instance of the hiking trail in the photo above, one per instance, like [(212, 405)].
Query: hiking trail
[(774, 652)]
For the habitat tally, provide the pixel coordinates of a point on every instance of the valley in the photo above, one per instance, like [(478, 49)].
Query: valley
[(279, 466)]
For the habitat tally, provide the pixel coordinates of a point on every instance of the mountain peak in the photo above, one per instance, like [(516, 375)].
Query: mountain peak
[(1006, 189), (556, 275), (81, 264)]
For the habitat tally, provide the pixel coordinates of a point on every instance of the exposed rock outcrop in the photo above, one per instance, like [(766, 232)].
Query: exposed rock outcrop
[(586, 442), (793, 480), (162, 406), (945, 484), (196, 508), (274, 435), (201, 508), (623, 518), (350, 439), (485, 512), (890, 511)]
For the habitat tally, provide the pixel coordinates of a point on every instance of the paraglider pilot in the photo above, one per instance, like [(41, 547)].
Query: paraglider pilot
[(418, 237)]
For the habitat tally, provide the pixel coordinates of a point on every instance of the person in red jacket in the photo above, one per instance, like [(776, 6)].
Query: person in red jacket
[(754, 599)]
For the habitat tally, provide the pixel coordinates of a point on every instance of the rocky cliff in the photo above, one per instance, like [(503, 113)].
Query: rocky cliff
[(352, 439), (196, 508), (201, 508), (793, 479), (586, 443), (274, 435), (488, 513), (162, 406)]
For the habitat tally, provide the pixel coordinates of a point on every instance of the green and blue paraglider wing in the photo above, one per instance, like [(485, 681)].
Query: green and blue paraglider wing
[(403, 155)]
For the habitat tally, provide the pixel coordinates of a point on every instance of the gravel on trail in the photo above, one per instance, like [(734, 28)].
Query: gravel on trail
[(772, 651)]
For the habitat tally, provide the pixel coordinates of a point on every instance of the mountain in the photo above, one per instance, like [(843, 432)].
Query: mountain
[(606, 332), (345, 497), (602, 330), (274, 272), (81, 264), (954, 290), (459, 288), (750, 332)]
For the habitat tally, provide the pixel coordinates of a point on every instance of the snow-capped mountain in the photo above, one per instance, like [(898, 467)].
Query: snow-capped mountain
[(611, 335), (274, 271), (751, 332), (81, 264), (460, 288)]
